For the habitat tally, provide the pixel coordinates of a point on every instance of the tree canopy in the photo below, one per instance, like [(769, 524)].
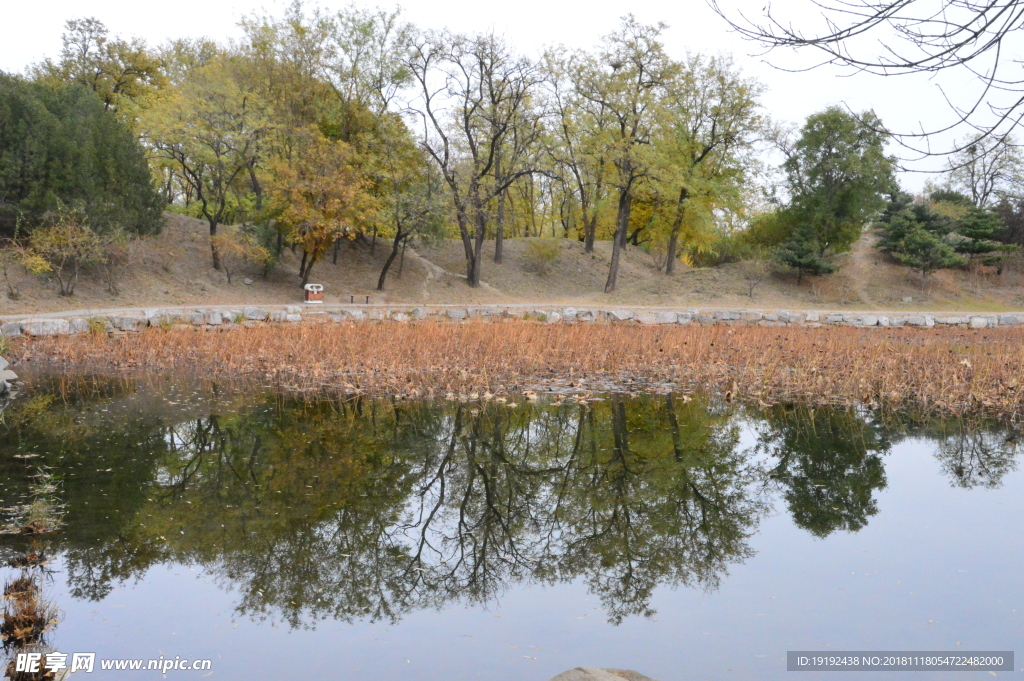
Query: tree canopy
[(60, 146)]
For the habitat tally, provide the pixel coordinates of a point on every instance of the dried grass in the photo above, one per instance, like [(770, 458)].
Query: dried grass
[(953, 371), (27, 614)]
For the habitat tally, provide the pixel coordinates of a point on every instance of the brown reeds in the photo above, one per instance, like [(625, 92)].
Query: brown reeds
[(27, 614), (951, 371)]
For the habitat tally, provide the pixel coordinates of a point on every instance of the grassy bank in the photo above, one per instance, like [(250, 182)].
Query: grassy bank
[(947, 371)]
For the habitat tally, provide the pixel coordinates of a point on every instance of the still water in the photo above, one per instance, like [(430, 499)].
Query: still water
[(370, 539)]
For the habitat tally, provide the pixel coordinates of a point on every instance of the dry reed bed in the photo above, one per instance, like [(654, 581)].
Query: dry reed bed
[(948, 371)]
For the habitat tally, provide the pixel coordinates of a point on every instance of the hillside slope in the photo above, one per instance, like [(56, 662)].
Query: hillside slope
[(174, 268)]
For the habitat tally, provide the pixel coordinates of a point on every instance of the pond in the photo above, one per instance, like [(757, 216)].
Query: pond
[(679, 535)]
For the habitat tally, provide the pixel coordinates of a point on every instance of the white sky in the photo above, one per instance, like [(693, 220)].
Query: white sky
[(32, 31)]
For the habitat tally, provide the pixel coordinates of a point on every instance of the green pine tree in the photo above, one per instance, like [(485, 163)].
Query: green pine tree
[(925, 251), (802, 252)]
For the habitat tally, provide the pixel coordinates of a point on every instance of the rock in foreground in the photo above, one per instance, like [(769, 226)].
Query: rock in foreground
[(595, 674)]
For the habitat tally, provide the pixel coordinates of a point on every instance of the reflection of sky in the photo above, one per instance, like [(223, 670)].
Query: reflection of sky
[(936, 566)]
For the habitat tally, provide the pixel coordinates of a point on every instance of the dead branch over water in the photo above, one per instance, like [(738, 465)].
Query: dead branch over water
[(950, 371)]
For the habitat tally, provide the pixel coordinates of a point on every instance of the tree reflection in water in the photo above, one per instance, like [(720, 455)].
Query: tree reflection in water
[(367, 510)]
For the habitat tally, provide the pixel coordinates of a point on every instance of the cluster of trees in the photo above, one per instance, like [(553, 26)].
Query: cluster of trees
[(321, 127), (836, 177), (75, 185), (972, 218)]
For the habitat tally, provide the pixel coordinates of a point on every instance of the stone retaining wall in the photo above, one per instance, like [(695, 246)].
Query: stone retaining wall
[(223, 317)]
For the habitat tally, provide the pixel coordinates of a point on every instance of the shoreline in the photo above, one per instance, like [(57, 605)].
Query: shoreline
[(122, 320)]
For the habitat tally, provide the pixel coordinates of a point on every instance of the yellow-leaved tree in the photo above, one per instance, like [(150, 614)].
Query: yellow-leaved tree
[(319, 195)]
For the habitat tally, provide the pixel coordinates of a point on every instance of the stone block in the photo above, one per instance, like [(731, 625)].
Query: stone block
[(751, 316), (951, 320), (916, 320), (293, 309), (727, 315), (198, 319), (255, 313), (979, 323), (400, 317), (214, 318), (1010, 319), (46, 327), (277, 315), (11, 328), (684, 318), (8, 376), (418, 313), (586, 315), (78, 325), (456, 314), (4, 364), (666, 318), (647, 318), (620, 315), (569, 314), (883, 321), (552, 317), (833, 319), (869, 320), (129, 323), (812, 316), (784, 316), (288, 317), (704, 319)]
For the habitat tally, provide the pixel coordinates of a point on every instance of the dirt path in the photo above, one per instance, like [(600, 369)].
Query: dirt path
[(435, 271), (862, 257)]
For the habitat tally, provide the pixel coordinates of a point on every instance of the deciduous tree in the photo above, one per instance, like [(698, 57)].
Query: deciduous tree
[(320, 195), (211, 129)]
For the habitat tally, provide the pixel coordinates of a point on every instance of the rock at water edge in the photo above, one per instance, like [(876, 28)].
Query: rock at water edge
[(46, 327), (595, 674)]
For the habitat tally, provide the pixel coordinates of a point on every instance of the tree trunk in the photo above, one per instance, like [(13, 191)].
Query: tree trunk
[(589, 231), (676, 226), (473, 270), (401, 261), (256, 188), (307, 269), (399, 239), (337, 247), (621, 226), (467, 242), (302, 265), (499, 234), (213, 244)]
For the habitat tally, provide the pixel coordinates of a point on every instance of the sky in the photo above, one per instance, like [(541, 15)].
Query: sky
[(32, 31)]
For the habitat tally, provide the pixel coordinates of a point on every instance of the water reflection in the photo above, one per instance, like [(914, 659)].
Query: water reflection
[(367, 510)]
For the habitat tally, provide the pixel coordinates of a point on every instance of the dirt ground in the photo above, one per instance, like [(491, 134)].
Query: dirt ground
[(174, 268)]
